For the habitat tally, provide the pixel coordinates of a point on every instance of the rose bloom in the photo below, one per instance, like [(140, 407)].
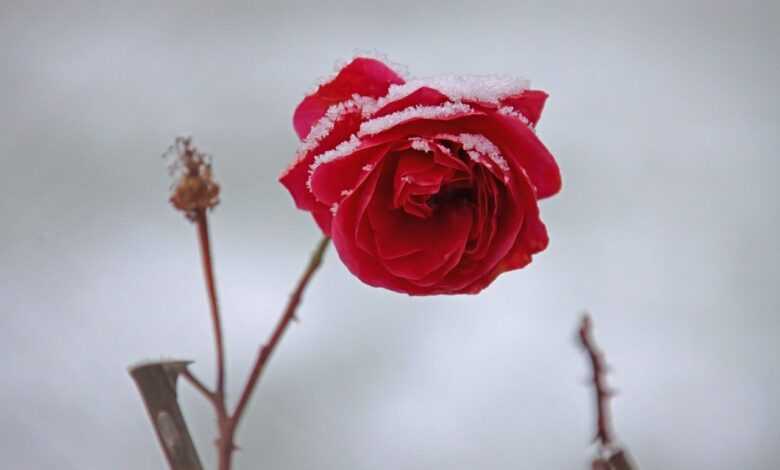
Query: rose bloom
[(428, 186)]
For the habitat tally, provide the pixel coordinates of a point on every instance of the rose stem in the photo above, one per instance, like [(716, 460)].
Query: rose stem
[(287, 316), (217, 397), (603, 430), (229, 423), (208, 269)]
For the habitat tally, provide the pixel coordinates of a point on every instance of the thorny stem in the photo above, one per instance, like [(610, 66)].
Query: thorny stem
[(208, 269), (199, 386), (217, 397), (613, 457), (603, 430), (228, 423), (287, 316)]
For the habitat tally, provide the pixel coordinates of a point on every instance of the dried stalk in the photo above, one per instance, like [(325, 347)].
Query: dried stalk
[(616, 458), (157, 383)]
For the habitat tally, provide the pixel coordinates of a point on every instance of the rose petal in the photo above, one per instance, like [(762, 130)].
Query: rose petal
[(521, 146), (296, 176), (332, 180), (431, 242), (362, 76), (529, 103), (424, 96), (532, 239), (352, 240), (397, 234)]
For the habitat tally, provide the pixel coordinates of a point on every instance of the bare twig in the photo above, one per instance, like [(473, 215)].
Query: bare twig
[(616, 458), (201, 220), (287, 316), (200, 386), (156, 382), (603, 429)]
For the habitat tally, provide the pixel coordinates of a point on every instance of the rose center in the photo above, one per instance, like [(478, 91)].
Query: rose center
[(455, 193)]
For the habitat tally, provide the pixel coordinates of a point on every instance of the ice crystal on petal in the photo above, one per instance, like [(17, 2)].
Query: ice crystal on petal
[(444, 149), (512, 112), (481, 144), (375, 126), (485, 89), (325, 125), (420, 144), (400, 69), (342, 149)]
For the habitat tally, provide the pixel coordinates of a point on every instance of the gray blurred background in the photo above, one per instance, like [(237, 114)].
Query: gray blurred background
[(664, 119)]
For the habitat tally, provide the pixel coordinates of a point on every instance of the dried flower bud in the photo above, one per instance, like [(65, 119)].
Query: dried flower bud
[(600, 464), (193, 188)]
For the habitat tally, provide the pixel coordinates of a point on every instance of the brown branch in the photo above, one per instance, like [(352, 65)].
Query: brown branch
[(156, 382), (287, 316), (616, 458), (200, 386), (603, 429), (208, 269)]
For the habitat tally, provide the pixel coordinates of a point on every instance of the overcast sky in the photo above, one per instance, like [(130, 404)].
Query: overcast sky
[(664, 117)]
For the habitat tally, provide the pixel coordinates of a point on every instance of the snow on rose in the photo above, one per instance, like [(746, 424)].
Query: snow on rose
[(428, 186)]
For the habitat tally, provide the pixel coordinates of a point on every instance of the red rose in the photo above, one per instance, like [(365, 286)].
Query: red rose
[(426, 187)]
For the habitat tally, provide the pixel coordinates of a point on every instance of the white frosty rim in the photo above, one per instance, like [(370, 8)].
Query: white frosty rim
[(400, 69), (325, 125), (375, 126), (477, 145), (512, 112), (480, 88)]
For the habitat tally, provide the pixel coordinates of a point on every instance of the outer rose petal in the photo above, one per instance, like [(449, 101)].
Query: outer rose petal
[(423, 96), (295, 177), (521, 145), (531, 240), (331, 181), (517, 140), (362, 76), (530, 103), (346, 238)]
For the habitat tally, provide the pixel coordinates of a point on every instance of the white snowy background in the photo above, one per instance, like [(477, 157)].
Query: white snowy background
[(664, 117)]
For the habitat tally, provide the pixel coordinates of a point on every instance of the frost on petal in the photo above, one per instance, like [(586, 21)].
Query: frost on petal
[(335, 129), (363, 76), (511, 112), (478, 146), (484, 89), (523, 147), (421, 97), (401, 69), (444, 111), (345, 148), (483, 146), (421, 145), (529, 103), (326, 124)]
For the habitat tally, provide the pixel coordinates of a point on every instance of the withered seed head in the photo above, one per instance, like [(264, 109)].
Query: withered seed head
[(193, 187)]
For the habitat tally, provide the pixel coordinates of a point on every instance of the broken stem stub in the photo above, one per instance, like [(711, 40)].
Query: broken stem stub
[(156, 382)]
